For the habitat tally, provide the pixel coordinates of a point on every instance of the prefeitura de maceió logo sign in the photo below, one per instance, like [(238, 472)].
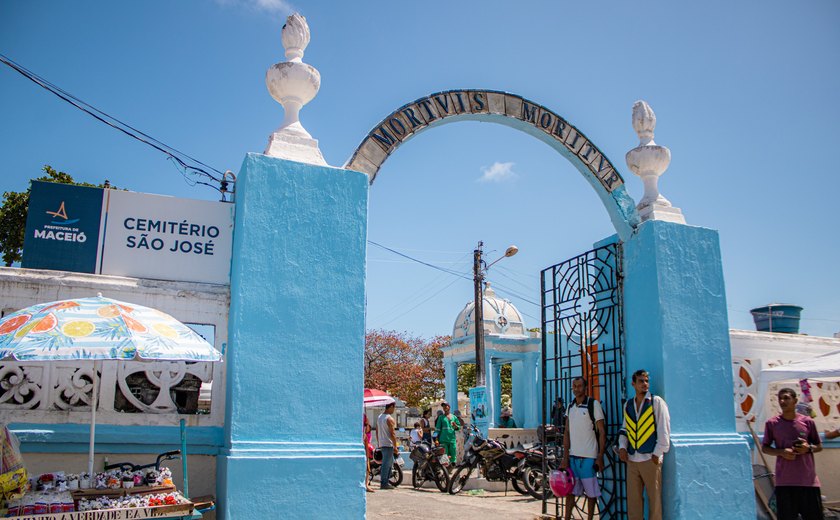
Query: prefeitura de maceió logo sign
[(183, 237), (62, 227)]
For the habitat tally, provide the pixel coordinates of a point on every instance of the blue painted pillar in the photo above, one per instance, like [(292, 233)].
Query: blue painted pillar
[(518, 398), (494, 384), (677, 329), (295, 359), (531, 405), (450, 375)]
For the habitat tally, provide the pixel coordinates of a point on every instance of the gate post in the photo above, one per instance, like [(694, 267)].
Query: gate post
[(293, 445), (677, 329)]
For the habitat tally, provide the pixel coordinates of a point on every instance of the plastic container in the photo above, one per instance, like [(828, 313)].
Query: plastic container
[(777, 317)]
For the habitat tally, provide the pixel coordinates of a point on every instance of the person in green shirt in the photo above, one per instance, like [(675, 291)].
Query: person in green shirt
[(506, 420), (446, 426)]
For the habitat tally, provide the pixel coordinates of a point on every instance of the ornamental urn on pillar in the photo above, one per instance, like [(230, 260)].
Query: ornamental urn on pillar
[(293, 84), (650, 160)]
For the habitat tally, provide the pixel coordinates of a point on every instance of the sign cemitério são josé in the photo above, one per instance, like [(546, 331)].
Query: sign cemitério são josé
[(106, 231)]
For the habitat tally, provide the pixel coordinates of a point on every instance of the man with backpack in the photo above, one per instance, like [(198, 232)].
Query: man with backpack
[(584, 441), (644, 439)]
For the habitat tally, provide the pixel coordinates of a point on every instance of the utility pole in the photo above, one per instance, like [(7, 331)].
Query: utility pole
[(479, 270), (478, 282)]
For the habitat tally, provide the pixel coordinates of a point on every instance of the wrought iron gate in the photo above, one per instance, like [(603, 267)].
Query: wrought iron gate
[(582, 335)]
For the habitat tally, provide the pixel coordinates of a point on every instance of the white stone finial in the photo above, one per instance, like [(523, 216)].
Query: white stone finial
[(644, 122), (649, 161), (293, 84), (295, 36)]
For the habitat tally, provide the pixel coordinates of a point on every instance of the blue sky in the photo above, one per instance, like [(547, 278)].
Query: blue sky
[(747, 97)]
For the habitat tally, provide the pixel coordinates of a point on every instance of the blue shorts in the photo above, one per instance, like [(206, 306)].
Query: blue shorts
[(586, 481)]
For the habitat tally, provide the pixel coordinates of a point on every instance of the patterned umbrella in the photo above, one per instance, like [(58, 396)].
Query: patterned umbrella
[(93, 329), (374, 397), (99, 328)]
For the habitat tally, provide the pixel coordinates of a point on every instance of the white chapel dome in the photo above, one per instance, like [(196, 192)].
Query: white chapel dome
[(500, 318)]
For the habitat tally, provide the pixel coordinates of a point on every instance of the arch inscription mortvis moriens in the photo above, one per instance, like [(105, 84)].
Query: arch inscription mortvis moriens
[(510, 110)]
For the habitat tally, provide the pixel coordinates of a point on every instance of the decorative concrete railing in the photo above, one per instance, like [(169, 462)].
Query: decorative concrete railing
[(825, 396), (515, 435), (130, 392)]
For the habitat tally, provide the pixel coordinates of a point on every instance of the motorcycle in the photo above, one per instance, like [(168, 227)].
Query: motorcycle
[(496, 463), (430, 463), (396, 477), (532, 469)]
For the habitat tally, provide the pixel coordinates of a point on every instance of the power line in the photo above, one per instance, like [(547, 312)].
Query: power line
[(501, 287), (442, 269), (801, 318), (421, 303), (525, 286), (396, 308), (519, 273), (182, 159)]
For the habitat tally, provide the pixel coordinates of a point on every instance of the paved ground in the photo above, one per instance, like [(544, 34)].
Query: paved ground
[(406, 502)]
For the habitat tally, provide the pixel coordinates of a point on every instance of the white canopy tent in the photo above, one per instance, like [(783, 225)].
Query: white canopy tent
[(824, 368)]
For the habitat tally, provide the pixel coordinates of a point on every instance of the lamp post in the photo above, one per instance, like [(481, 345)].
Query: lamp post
[(479, 270)]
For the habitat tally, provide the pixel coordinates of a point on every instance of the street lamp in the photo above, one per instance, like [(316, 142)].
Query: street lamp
[(479, 270)]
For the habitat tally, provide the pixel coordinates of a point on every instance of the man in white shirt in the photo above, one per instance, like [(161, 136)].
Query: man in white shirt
[(644, 439), (584, 440), (386, 435)]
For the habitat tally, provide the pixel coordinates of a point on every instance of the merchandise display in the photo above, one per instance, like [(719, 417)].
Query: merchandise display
[(116, 489)]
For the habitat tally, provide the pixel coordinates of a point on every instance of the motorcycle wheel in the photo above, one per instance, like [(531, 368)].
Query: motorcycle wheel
[(396, 476), (532, 478), (417, 477), (441, 478), (459, 478), (519, 486)]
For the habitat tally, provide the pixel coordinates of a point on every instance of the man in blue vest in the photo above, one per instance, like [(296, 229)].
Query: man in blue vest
[(643, 441)]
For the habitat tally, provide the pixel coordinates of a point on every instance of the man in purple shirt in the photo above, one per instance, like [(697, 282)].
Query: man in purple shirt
[(793, 439)]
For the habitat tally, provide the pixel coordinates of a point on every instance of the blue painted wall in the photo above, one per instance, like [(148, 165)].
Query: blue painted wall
[(676, 328), (73, 438), (295, 356)]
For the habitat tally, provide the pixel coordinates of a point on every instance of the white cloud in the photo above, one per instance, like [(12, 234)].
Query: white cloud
[(498, 172), (272, 6)]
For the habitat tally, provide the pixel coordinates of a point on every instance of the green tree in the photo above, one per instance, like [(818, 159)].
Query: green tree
[(14, 209), (466, 378), (406, 367)]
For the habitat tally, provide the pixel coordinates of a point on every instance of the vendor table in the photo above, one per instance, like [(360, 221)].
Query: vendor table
[(178, 511)]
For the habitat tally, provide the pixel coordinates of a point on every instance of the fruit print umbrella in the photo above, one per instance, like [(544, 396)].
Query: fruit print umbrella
[(99, 328)]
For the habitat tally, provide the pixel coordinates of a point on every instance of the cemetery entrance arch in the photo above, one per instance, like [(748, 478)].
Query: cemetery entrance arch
[(581, 322), (510, 110)]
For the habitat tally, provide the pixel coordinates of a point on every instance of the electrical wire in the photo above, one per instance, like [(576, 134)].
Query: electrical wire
[(182, 159), (801, 318), (421, 303), (417, 295), (502, 272), (503, 288), (518, 273), (442, 269)]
